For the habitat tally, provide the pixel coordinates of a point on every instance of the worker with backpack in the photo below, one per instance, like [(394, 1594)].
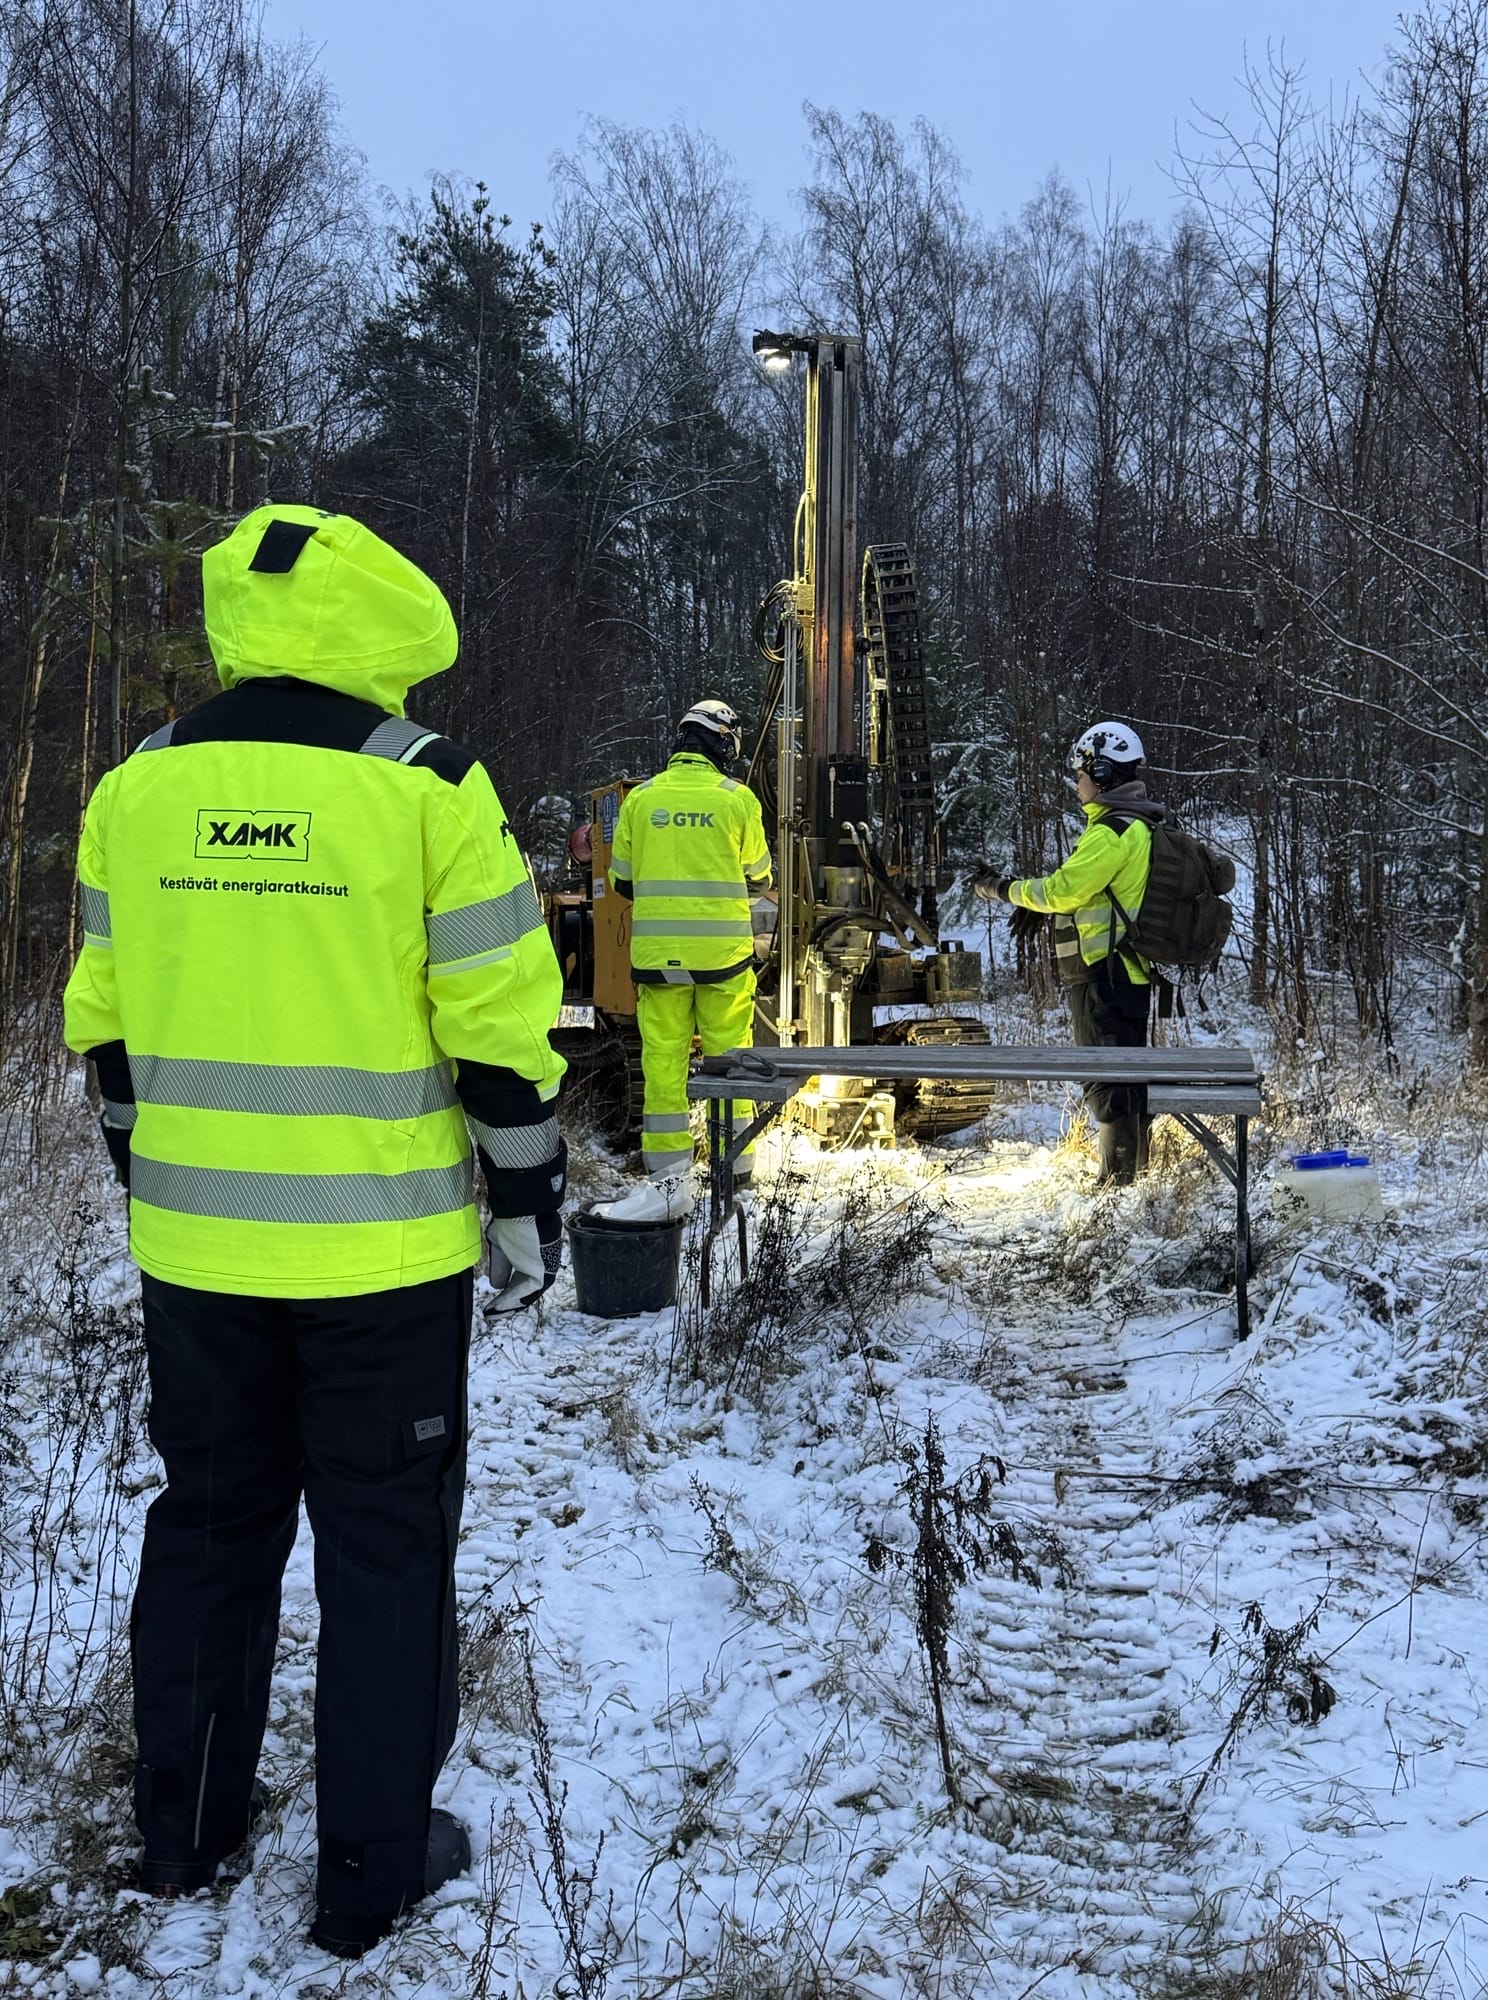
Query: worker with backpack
[(1136, 891)]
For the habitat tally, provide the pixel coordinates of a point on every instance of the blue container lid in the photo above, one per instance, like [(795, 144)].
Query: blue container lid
[(1358, 1159), (1309, 1161)]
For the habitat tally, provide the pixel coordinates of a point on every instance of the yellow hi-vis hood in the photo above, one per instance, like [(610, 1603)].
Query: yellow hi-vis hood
[(294, 591)]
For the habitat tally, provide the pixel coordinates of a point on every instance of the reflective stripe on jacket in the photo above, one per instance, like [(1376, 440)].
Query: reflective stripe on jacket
[(1086, 923), (310, 931), (690, 847)]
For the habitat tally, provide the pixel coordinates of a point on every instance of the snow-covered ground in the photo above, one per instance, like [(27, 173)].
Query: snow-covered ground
[(1230, 1742)]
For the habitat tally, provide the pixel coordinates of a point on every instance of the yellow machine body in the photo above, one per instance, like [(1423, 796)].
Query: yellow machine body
[(614, 989), (590, 924), (853, 789), (590, 927)]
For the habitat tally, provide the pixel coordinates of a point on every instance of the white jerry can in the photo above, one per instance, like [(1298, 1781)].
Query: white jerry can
[(1335, 1187)]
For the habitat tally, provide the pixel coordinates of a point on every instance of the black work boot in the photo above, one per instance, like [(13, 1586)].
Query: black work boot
[(349, 1934), (161, 1875), (1119, 1144)]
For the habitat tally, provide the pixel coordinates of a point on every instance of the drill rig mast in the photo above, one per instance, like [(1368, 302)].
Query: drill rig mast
[(843, 760)]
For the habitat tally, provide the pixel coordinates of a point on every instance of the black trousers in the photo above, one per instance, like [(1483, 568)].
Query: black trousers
[(359, 1405), (1109, 1011)]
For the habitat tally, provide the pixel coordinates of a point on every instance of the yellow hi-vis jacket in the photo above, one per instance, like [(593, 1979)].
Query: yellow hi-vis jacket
[(312, 947), (690, 847), (1087, 925)]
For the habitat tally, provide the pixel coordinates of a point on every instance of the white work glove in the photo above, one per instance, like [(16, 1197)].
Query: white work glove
[(525, 1253), (764, 919)]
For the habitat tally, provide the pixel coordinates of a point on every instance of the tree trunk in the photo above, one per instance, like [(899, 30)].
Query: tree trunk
[(17, 793), (1477, 1002), (85, 757), (123, 432), (1260, 946), (33, 678)]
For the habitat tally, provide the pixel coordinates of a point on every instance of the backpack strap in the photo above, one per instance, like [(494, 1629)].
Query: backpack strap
[(1119, 822), (1116, 909)]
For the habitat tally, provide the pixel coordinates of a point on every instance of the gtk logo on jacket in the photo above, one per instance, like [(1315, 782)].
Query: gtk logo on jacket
[(661, 817)]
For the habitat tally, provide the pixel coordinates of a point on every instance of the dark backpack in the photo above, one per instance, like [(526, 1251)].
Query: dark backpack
[(1184, 919)]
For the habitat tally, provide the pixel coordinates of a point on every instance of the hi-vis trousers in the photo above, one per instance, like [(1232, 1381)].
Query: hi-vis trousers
[(722, 1017)]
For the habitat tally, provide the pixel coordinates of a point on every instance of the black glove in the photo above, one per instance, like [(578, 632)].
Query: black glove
[(991, 885), (525, 1254), (1025, 925)]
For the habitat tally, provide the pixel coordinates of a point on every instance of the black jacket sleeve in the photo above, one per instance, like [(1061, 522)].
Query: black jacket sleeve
[(516, 1134)]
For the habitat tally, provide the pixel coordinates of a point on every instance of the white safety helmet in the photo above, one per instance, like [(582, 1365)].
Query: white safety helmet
[(718, 723), (1104, 751)]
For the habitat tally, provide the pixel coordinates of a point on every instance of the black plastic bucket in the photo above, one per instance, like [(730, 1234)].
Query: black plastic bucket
[(624, 1268)]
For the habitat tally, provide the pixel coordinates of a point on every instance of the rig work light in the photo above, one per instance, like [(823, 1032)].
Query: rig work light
[(773, 351)]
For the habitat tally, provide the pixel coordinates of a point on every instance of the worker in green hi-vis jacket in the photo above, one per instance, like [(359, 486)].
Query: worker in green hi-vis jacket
[(313, 969), (690, 850), (1107, 983)]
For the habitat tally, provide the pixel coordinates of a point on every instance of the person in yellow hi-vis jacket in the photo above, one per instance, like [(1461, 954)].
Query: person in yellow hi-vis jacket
[(1107, 982), (690, 850), (314, 970)]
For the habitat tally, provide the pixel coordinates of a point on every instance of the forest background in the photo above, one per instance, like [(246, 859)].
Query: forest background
[(1230, 482)]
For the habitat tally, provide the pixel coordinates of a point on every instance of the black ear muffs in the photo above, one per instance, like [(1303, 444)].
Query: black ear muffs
[(1102, 771)]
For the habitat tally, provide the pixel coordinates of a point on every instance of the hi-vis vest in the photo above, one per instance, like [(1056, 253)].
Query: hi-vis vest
[(691, 844), (300, 915), (1085, 922)]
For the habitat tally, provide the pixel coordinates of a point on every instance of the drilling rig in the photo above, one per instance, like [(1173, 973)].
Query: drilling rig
[(842, 763), (842, 768)]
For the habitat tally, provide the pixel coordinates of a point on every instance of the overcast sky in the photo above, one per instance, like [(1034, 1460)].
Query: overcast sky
[(1019, 86)]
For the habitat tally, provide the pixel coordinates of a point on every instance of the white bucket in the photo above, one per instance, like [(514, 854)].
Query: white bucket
[(1333, 1194)]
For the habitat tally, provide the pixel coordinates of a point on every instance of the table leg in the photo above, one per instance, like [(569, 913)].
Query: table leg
[(1242, 1228), (715, 1163), (715, 1202)]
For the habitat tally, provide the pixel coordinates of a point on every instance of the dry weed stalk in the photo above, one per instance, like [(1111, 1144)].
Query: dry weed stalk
[(769, 1595), (568, 1890), (1269, 1663), (851, 1281), (75, 1371), (956, 1533)]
